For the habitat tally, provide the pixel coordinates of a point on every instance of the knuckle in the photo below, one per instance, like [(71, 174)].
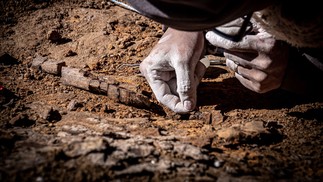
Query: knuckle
[(264, 87), (146, 65), (142, 67), (153, 74), (259, 88), (260, 77), (184, 87)]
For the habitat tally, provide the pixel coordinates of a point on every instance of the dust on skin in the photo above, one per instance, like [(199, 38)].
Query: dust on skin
[(55, 132)]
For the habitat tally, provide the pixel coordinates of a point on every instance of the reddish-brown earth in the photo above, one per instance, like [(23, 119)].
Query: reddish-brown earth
[(51, 130)]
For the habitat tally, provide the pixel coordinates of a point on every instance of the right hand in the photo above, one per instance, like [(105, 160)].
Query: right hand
[(173, 69), (258, 60)]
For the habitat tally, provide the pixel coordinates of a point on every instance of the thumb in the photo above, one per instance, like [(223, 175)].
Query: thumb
[(214, 39)]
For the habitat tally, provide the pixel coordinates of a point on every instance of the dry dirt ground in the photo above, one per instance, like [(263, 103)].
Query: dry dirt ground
[(95, 118)]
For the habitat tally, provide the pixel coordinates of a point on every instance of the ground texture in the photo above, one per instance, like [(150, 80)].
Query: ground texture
[(74, 107)]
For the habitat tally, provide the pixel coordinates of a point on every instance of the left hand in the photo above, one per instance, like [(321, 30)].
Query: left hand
[(259, 61)]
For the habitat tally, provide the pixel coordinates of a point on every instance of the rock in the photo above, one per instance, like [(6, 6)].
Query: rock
[(54, 36), (7, 139), (216, 117), (190, 151), (230, 134), (250, 132), (7, 97), (90, 144), (37, 62), (45, 112), (73, 104), (70, 53), (7, 59), (21, 120)]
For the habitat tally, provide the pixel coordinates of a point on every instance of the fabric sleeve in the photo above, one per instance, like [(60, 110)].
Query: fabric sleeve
[(193, 15)]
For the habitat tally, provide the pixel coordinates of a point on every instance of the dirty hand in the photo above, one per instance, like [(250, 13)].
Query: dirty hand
[(258, 60), (173, 69)]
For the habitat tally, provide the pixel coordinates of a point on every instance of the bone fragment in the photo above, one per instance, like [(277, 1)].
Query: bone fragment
[(53, 67), (117, 91), (75, 77)]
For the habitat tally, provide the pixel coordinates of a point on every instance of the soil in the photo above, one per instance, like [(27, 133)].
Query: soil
[(103, 123)]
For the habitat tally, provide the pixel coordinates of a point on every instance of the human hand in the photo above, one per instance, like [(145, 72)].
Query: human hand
[(173, 69), (258, 60)]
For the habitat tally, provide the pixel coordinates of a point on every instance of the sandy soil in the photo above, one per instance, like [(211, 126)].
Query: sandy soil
[(96, 119)]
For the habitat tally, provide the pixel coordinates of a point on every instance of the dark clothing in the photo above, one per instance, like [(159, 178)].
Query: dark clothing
[(194, 15), (304, 74)]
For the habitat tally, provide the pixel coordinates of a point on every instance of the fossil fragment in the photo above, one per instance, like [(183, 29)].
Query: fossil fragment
[(75, 77), (107, 85), (53, 67)]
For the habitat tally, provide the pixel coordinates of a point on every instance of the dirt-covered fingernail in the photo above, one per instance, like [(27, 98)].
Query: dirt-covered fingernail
[(188, 105)]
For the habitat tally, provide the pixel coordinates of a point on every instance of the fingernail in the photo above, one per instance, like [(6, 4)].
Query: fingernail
[(207, 35), (188, 105), (205, 61)]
